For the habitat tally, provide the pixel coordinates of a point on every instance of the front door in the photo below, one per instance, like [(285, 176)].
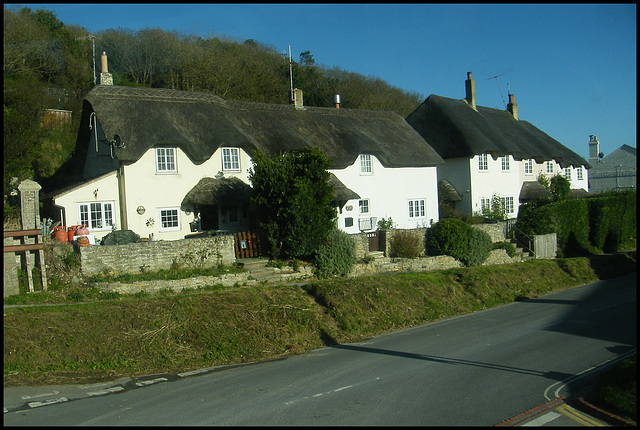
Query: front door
[(209, 217)]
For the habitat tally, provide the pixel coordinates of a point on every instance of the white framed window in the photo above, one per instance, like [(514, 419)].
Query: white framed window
[(363, 206), (579, 173), (169, 219), (507, 204), (96, 215), (230, 159), (528, 167), (505, 163), (416, 208), (485, 205), (483, 162), (166, 160), (365, 164), (549, 167), (567, 173)]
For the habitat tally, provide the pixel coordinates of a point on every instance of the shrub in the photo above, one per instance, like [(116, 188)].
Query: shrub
[(337, 256), (511, 250), (453, 237), (405, 244), (448, 236)]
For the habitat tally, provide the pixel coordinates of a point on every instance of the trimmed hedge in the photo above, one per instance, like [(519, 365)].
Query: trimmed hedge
[(337, 256), (583, 226), (406, 244)]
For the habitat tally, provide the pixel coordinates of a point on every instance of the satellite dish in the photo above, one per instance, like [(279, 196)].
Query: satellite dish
[(117, 141)]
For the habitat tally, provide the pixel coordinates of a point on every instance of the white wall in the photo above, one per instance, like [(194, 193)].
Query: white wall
[(389, 191), (484, 184), (156, 191), (102, 189)]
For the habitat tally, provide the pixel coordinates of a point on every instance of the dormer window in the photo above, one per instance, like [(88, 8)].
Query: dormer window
[(505, 163), (166, 160), (528, 167), (550, 167), (365, 164), (230, 159), (483, 162)]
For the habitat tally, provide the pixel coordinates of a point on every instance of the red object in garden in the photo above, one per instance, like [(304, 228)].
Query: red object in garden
[(82, 231), (72, 231), (60, 234)]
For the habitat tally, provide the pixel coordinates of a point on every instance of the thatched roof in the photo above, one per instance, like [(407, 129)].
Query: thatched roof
[(447, 192), (210, 191), (454, 129), (200, 123), (340, 192), (533, 190)]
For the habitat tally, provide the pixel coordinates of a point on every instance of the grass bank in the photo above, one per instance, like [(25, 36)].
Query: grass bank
[(127, 336)]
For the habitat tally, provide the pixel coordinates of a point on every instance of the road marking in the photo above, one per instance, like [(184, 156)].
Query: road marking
[(342, 388), (192, 372), (541, 420), (577, 416), (582, 374), (151, 381), (107, 391), (47, 402), (40, 395)]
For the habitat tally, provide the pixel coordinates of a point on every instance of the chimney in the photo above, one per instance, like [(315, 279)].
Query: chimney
[(594, 150), (470, 86), (512, 107), (297, 98), (105, 77), (336, 101)]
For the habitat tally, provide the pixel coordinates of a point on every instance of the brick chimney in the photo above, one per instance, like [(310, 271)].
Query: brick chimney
[(470, 86), (105, 77), (512, 107)]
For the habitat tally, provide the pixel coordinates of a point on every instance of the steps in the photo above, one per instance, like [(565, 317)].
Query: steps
[(520, 252)]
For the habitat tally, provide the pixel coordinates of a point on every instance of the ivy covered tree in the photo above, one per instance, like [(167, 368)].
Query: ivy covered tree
[(293, 201)]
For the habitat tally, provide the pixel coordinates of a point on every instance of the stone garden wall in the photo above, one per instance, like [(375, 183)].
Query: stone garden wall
[(153, 256)]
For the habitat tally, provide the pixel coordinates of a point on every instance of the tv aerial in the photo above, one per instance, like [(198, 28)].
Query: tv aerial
[(497, 82)]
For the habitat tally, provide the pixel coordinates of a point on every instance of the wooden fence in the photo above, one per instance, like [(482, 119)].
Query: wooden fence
[(26, 248), (249, 244)]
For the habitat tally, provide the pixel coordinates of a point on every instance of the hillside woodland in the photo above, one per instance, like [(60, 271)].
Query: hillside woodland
[(49, 65)]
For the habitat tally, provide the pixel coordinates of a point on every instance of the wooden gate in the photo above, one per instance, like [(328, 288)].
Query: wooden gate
[(249, 244), (374, 240)]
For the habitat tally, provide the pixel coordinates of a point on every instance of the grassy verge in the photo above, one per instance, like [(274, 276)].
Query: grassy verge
[(615, 390), (124, 336)]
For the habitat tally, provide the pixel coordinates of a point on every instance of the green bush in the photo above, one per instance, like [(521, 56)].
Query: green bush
[(511, 250), (453, 237), (405, 244), (337, 256)]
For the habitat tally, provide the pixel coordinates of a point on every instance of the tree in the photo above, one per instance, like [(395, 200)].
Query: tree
[(559, 187), (293, 201)]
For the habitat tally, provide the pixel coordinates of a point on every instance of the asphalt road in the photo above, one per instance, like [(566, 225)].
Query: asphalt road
[(477, 369)]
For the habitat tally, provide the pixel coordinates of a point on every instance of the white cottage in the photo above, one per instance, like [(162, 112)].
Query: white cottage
[(166, 163), (490, 152)]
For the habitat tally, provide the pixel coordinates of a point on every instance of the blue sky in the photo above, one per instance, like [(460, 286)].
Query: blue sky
[(572, 68)]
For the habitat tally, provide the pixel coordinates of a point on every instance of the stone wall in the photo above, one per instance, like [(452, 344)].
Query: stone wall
[(495, 231), (153, 256)]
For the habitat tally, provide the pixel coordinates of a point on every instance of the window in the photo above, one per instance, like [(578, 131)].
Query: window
[(485, 205), (365, 164), (416, 208), (230, 159), (165, 160), (579, 173), (169, 219), (528, 167), (550, 167), (507, 204), (364, 206), (348, 222), (567, 173), (505, 163), (96, 215), (483, 162)]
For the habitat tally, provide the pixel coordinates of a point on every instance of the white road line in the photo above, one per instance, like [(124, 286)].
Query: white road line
[(342, 388), (151, 381), (40, 395), (541, 420), (107, 391), (192, 372), (47, 402)]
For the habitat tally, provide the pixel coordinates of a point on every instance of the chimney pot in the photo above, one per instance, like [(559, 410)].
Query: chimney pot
[(512, 107), (336, 101)]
